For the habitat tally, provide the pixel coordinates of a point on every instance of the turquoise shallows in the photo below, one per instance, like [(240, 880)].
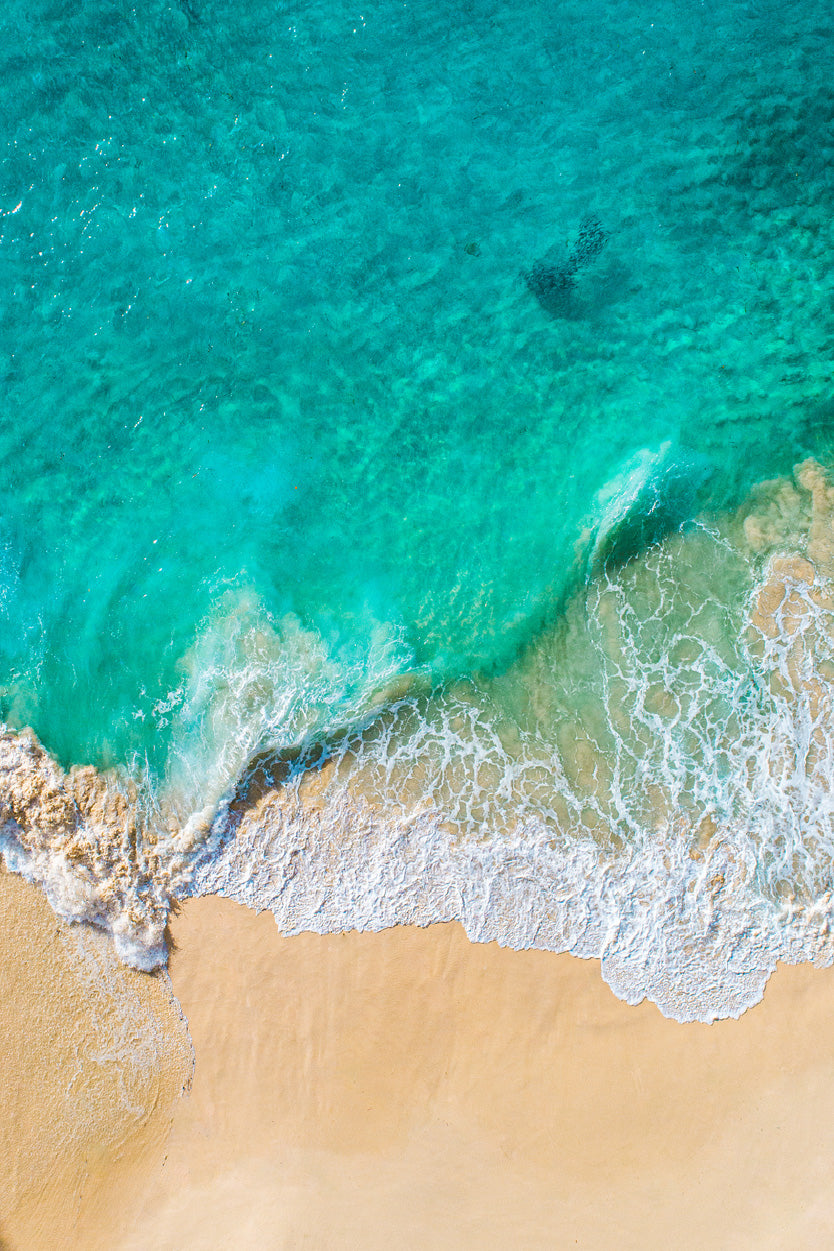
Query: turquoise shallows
[(274, 367)]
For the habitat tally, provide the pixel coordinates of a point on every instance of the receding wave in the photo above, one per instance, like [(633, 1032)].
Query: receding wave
[(650, 782)]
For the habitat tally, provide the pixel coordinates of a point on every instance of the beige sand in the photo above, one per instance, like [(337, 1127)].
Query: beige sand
[(93, 1060), (411, 1090)]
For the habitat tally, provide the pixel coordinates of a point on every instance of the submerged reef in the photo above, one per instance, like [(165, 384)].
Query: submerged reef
[(553, 283)]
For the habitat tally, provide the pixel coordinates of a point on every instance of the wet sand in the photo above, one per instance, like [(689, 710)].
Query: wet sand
[(409, 1089), (94, 1058)]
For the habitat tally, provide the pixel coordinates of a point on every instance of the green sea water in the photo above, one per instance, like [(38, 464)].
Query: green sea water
[(287, 416)]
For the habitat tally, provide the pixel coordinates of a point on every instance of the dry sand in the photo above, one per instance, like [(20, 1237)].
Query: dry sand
[(402, 1090)]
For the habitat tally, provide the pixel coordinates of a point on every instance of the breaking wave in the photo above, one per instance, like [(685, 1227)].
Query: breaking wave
[(649, 783)]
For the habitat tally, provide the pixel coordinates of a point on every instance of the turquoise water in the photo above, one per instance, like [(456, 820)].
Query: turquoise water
[(284, 417)]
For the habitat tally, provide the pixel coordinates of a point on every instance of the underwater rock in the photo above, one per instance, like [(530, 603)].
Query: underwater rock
[(553, 284)]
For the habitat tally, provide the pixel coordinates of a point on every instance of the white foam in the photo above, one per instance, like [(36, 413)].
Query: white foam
[(695, 937), (695, 923), (254, 683), (652, 785)]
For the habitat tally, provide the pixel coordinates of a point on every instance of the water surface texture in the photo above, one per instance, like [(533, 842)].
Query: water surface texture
[(345, 351)]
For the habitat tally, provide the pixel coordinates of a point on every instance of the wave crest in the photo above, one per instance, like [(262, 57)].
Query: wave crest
[(651, 783)]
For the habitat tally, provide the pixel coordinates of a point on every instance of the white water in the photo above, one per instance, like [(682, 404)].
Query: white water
[(652, 783)]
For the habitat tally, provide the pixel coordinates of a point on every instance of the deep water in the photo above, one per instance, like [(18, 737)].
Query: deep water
[(284, 414)]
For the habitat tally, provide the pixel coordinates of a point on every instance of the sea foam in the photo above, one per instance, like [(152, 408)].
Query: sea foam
[(650, 783)]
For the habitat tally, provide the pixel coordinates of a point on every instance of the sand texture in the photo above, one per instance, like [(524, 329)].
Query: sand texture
[(409, 1089), (94, 1058)]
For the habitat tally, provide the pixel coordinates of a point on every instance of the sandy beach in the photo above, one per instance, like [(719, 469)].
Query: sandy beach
[(417, 626), (404, 1089)]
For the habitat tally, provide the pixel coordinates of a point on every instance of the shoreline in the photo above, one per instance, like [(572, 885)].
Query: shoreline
[(410, 1088), (649, 785)]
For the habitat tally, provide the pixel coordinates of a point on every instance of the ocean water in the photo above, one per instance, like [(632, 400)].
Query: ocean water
[(400, 413)]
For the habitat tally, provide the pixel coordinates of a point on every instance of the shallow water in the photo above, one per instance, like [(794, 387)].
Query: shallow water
[(347, 357)]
